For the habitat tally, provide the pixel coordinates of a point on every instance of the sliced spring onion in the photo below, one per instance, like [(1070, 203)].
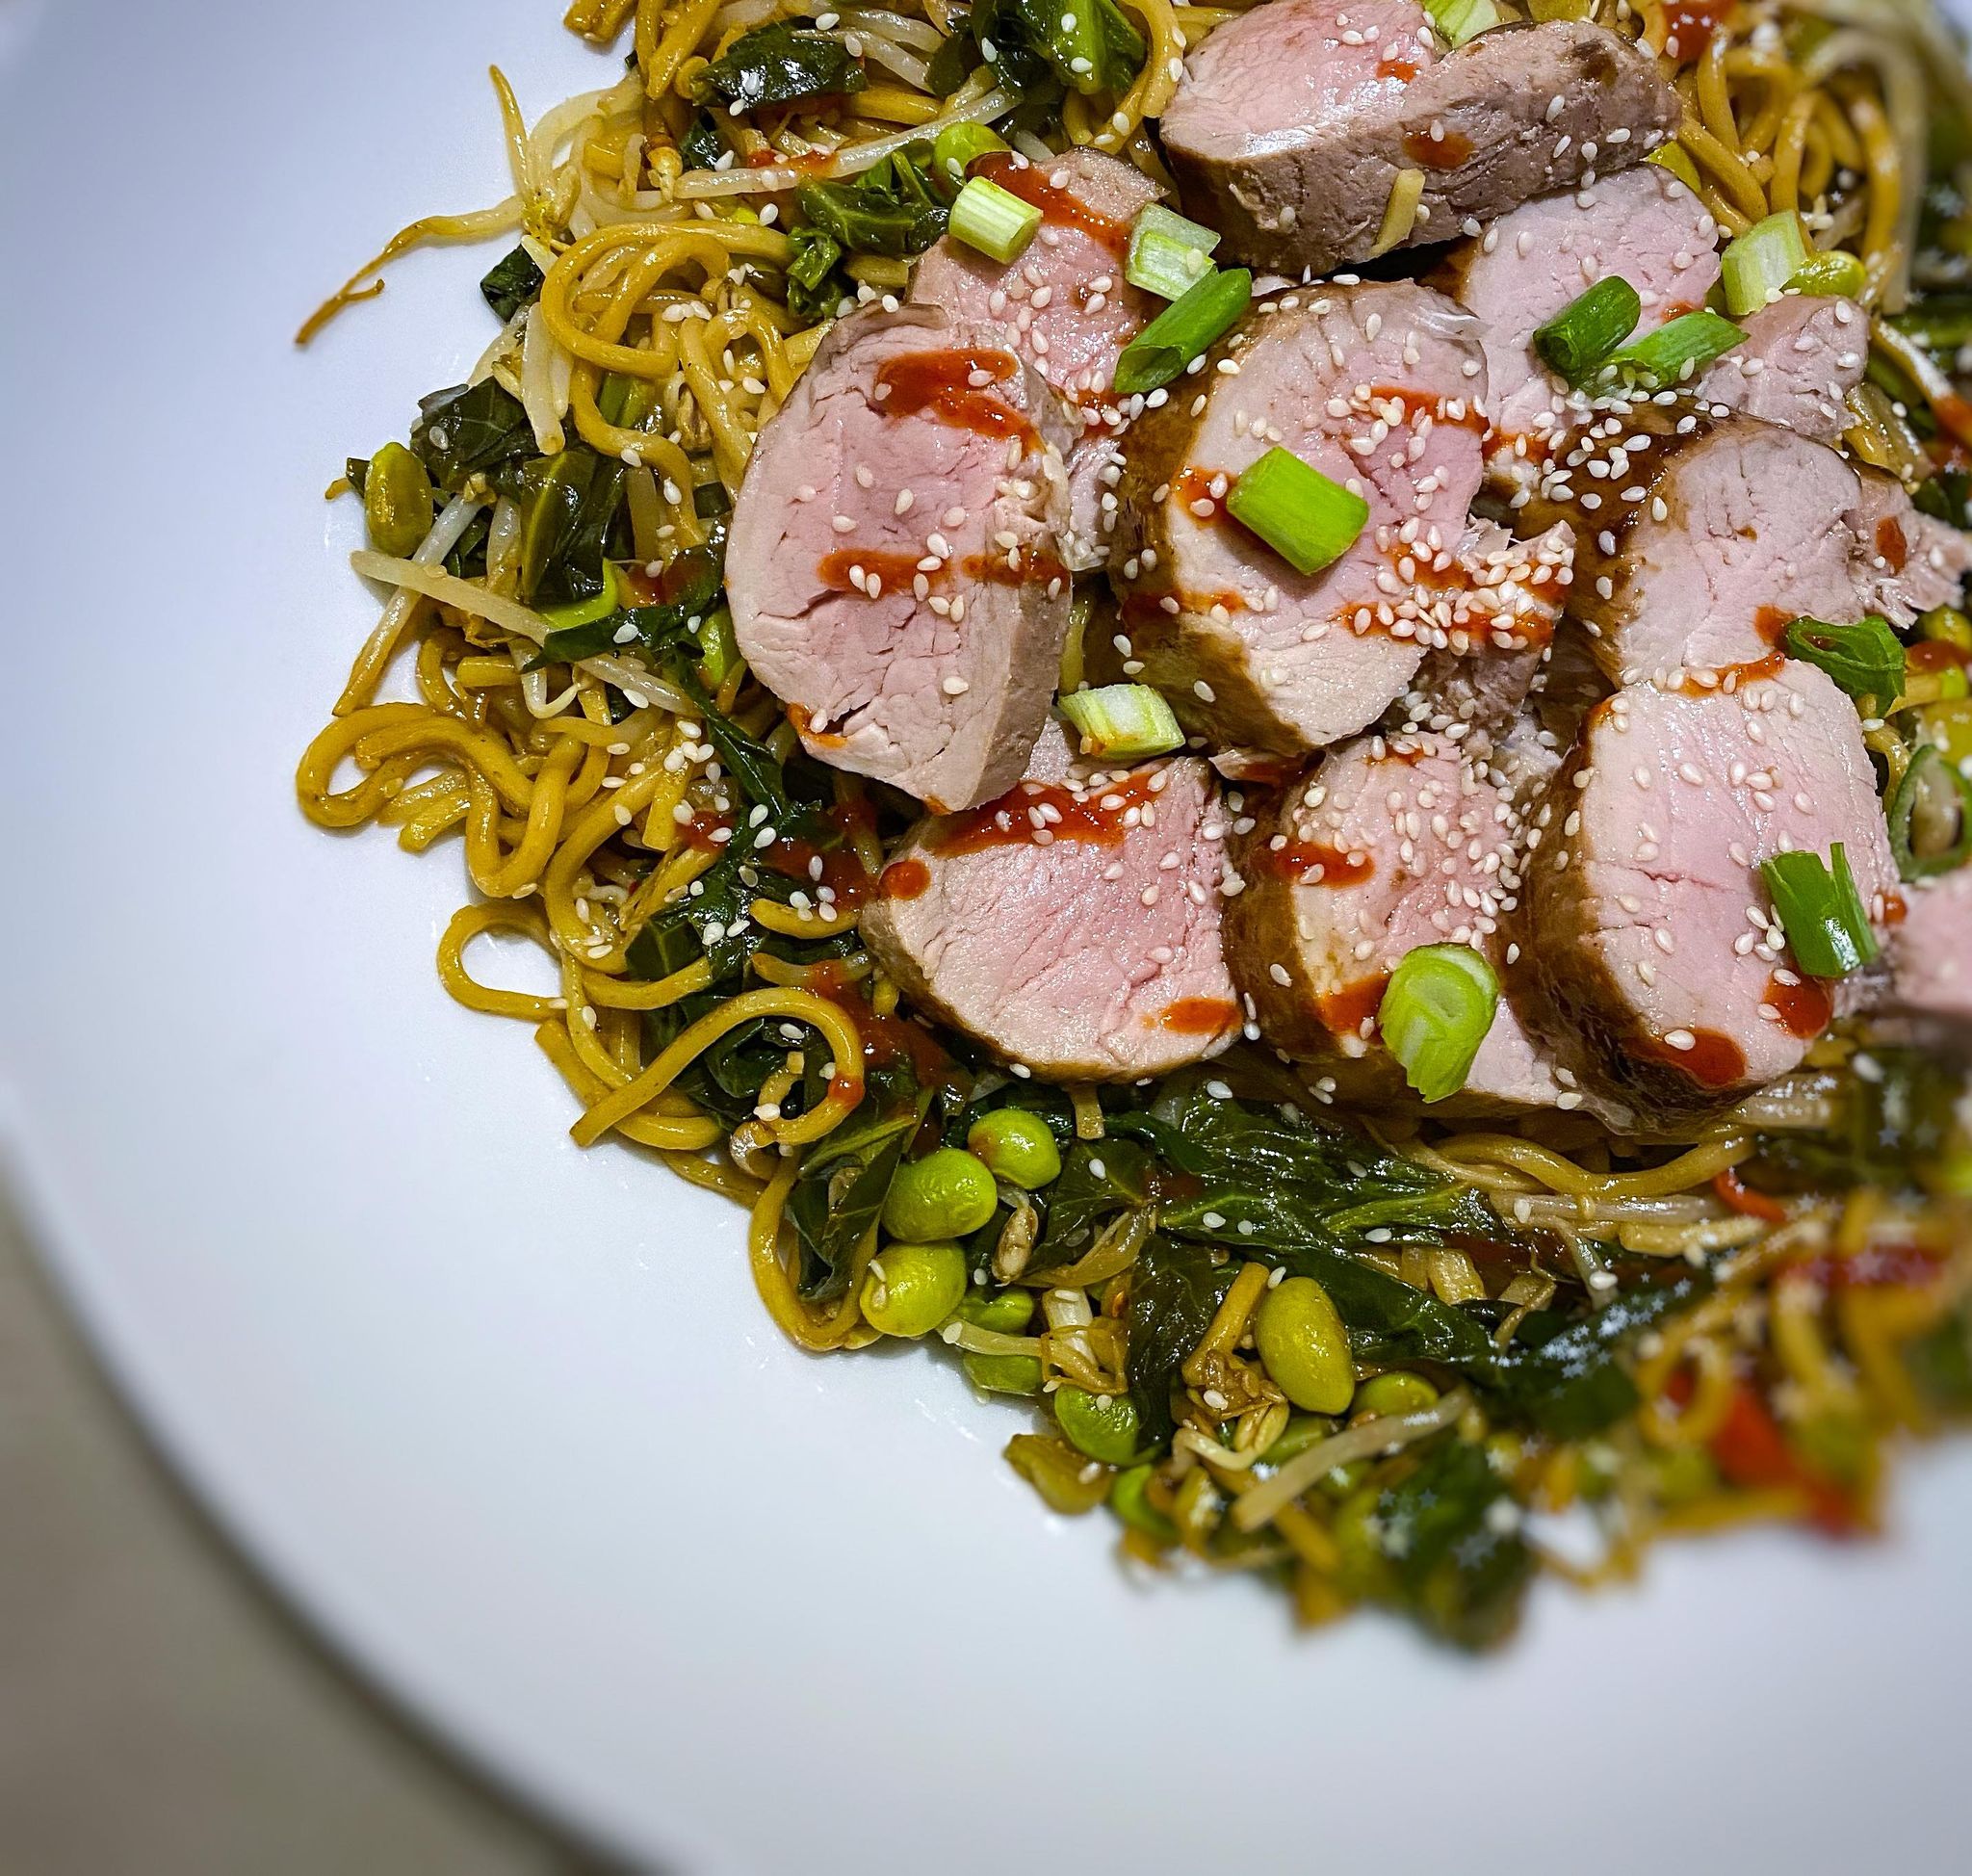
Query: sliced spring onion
[(1755, 267), (1821, 911), (1830, 272), (1435, 1012), (1167, 253), (1672, 157), (1678, 349), (1183, 331), (1865, 659), (1130, 720), (1458, 20), (993, 220), (1928, 774), (957, 146), (1298, 511), (1588, 327)]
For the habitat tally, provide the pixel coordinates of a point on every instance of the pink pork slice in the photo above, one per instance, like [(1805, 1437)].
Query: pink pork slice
[(1073, 926), (1386, 844), (1065, 306), (1800, 359), (1376, 386), (1651, 962), (893, 566), (1931, 951)]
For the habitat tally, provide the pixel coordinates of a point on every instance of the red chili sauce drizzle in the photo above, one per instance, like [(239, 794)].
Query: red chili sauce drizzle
[(1772, 623), (1398, 65), (906, 878), (1058, 206), (941, 382), (1805, 1006), (1772, 665), (1097, 817), (1445, 152), (1146, 608), (1931, 654), (1034, 569), (1689, 26), (884, 1039), (1891, 543), (894, 571), (843, 871), (1315, 863), (1195, 485), (1343, 1013), (1713, 1061), (1200, 1016)]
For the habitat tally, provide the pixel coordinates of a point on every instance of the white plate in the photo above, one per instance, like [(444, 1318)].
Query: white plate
[(504, 1417)]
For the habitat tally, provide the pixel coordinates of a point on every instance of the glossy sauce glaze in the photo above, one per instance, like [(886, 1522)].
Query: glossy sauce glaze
[(1714, 1060), (1315, 863), (1445, 151), (941, 382), (1038, 814), (1805, 1006), (1200, 1016), (1058, 207), (1344, 1012)]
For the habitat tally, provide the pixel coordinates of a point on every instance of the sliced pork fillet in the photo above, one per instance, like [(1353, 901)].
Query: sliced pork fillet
[(1387, 845), (1377, 387), (1293, 122), (1650, 961), (892, 567), (1072, 927), (1065, 306), (1931, 950), (1697, 540), (1644, 226), (1800, 359)]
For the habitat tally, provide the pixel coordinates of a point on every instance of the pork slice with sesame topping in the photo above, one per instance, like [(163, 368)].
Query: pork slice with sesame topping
[(1651, 960), (1294, 122), (1644, 226), (893, 565), (1073, 926), (1064, 306), (1698, 539), (1800, 359), (1386, 844), (1376, 386)]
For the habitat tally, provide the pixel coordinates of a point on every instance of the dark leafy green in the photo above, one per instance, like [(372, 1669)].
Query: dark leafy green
[(1561, 1371), (1940, 1363), (512, 283), (1174, 1290), (952, 64), (701, 147), (895, 209), (1033, 47), (1455, 1562), (1939, 322), (776, 64), (356, 471), (814, 289), (1946, 496), (1889, 1131), (469, 431), (844, 1183)]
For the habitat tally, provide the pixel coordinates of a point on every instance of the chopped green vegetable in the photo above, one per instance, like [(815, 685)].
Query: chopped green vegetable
[(1088, 46), (701, 147), (1307, 519), (1168, 255), (1459, 20), (513, 283), (1669, 156), (1174, 1291), (897, 209), (952, 64), (472, 429), (1832, 270), (960, 146), (1756, 267), (1933, 789), (1677, 350), (1129, 1499), (1003, 1373), (993, 220), (776, 64), (1183, 332), (1865, 659), (1818, 907), (1437, 1010), (1125, 721), (1579, 337)]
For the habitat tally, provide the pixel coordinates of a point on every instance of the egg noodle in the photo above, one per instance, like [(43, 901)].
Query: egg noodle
[(592, 791)]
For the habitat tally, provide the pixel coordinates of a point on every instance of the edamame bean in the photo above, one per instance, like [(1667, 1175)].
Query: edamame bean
[(1016, 1146), (1003, 1373), (1830, 272), (1129, 1498), (910, 1288), (1396, 1392), (1305, 1346), (1105, 1426), (1005, 1311), (396, 501), (946, 1194), (1302, 1432)]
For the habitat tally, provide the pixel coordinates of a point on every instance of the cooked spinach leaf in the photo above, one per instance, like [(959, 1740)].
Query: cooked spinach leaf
[(776, 64), (701, 147), (844, 1183), (471, 429), (1174, 1290), (814, 289), (897, 209), (570, 507), (1889, 1130), (1562, 1372), (1452, 1560), (512, 283)]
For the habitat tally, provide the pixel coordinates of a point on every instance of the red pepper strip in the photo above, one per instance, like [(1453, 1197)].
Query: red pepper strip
[(1750, 1203), (1750, 1451)]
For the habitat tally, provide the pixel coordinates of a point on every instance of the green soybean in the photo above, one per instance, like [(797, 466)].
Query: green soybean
[(1129, 1499), (910, 1289), (1003, 1373), (1305, 1346), (1105, 1426), (1016, 1146), (1005, 1311), (946, 1194), (396, 501), (1395, 1393), (1303, 1432)]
